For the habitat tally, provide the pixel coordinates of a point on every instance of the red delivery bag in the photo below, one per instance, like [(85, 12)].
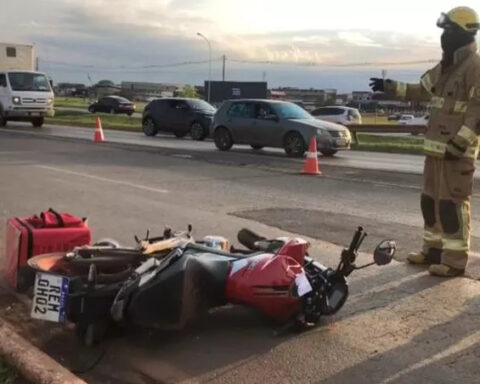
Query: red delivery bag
[(36, 235)]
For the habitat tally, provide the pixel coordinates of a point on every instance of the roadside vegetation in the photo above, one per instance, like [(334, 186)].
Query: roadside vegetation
[(83, 103), (81, 119), (392, 144)]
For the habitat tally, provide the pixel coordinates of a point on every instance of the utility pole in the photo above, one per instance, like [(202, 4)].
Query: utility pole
[(223, 67), (209, 64)]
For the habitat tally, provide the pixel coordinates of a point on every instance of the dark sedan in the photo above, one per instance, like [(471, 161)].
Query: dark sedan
[(113, 104)]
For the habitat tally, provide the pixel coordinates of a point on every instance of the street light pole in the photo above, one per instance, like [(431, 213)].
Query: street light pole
[(209, 64)]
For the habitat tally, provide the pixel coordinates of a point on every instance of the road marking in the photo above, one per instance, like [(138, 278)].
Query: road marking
[(104, 179)]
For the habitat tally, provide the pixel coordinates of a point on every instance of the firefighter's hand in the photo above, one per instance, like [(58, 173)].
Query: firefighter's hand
[(450, 156), (377, 84), (453, 151)]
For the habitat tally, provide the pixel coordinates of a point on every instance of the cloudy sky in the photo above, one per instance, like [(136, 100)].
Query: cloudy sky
[(302, 43)]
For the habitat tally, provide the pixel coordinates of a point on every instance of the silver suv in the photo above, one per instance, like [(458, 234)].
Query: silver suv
[(268, 123)]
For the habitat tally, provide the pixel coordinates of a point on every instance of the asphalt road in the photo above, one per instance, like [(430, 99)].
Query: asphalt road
[(399, 325), (389, 162)]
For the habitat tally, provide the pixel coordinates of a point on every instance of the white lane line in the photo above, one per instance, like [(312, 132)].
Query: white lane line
[(104, 179)]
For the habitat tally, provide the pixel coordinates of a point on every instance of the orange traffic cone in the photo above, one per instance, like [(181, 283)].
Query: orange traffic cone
[(98, 136), (311, 162)]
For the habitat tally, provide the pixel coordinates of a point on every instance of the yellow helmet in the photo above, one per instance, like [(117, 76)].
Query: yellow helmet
[(465, 17)]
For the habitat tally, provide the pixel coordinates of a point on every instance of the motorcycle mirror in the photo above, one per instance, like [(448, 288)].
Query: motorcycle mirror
[(384, 252)]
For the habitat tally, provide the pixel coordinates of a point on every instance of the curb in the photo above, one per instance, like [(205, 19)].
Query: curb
[(31, 363)]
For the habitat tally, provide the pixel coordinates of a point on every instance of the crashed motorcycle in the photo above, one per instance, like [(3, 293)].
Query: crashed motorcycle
[(171, 285)]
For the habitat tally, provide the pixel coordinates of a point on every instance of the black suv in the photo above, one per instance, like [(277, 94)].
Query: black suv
[(180, 116)]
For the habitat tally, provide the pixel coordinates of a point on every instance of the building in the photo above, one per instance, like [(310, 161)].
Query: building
[(361, 96), (343, 98), (226, 90), (104, 88), (277, 95), (312, 97), (71, 89), (142, 90)]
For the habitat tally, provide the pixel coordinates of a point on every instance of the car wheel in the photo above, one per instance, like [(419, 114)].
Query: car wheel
[(37, 122), (328, 152), (112, 111), (180, 134), (294, 145), (148, 127), (223, 139), (91, 109), (256, 147), (197, 132), (129, 113)]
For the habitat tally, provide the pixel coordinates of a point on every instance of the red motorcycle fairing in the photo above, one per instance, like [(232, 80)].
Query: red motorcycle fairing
[(267, 281)]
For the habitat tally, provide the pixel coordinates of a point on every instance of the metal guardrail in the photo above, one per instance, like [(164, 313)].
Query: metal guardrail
[(385, 128)]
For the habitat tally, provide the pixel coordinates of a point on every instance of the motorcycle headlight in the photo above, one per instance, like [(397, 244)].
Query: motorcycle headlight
[(16, 100)]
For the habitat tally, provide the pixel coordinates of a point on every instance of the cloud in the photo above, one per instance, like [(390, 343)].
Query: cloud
[(105, 33)]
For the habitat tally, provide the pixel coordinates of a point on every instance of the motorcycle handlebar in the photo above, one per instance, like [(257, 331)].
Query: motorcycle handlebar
[(357, 240)]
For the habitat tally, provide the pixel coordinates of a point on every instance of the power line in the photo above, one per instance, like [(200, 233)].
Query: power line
[(126, 68), (335, 65)]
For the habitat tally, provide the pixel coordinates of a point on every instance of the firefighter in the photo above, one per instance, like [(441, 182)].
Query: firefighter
[(451, 142)]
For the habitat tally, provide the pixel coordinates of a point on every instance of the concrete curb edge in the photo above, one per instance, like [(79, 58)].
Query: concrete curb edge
[(31, 363)]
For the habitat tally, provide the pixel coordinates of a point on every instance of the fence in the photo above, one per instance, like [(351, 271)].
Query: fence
[(385, 128)]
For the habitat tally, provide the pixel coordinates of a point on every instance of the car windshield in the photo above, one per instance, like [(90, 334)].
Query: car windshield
[(200, 105), (290, 111), (26, 81)]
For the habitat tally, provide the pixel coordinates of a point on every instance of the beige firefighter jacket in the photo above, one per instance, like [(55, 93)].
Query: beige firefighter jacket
[(454, 96)]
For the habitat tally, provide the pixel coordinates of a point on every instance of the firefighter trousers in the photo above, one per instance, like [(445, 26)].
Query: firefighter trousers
[(445, 204)]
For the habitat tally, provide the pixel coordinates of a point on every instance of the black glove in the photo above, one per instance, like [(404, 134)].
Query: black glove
[(450, 156), (377, 84), (453, 151)]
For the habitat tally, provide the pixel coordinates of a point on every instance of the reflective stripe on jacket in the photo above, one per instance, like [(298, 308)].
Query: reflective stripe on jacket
[(454, 95)]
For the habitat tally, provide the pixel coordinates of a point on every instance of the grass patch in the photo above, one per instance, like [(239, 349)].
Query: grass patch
[(63, 113), (392, 144), (80, 119), (79, 102), (7, 375), (73, 102)]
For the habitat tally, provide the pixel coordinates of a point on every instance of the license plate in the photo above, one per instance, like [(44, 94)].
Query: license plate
[(35, 113), (50, 297)]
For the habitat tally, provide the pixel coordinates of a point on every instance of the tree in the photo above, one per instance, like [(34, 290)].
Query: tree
[(191, 92)]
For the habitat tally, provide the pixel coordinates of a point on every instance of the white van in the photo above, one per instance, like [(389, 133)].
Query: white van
[(25, 95)]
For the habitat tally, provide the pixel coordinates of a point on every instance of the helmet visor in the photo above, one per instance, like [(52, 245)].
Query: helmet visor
[(444, 21)]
